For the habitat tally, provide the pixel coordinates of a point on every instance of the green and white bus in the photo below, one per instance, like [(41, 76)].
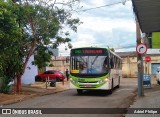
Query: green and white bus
[(94, 68)]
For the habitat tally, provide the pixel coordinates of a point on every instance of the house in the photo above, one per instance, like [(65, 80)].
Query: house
[(129, 64)]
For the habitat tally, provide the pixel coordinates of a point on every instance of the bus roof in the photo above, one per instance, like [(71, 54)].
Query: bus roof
[(115, 54)]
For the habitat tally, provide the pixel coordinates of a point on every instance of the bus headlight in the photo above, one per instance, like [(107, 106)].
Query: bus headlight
[(101, 81), (106, 80), (70, 79), (74, 81)]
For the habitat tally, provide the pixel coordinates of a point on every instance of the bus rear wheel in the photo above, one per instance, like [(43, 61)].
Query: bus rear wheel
[(118, 83), (80, 91)]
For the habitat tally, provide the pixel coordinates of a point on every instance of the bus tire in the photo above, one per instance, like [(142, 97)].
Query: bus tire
[(118, 83), (80, 91), (111, 90), (158, 82)]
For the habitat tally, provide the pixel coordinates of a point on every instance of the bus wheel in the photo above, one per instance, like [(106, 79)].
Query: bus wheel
[(118, 83), (80, 91), (158, 82), (110, 91)]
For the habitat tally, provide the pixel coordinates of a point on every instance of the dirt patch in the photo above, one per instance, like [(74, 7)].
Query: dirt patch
[(129, 100), (14, 97), (29, 91)]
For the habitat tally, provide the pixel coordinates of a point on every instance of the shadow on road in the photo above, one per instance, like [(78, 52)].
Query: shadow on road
[(96, 92)]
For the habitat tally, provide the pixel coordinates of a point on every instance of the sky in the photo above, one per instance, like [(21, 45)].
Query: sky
[(110, 26)]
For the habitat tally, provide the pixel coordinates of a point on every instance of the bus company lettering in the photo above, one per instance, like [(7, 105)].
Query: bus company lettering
[(92, 51)]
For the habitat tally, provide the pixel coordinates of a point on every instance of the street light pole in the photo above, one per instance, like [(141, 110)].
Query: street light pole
[(140, 62)]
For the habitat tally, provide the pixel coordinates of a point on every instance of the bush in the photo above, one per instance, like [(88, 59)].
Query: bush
[(5, 88)]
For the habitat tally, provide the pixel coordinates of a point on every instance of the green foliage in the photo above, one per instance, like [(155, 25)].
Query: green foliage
[(31, 28), (5, 88), (42, 57), (43, 25), (12, 54), (10, 38)]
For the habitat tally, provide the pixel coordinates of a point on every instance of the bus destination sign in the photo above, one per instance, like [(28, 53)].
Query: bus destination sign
[(89, 51), (98, 51)]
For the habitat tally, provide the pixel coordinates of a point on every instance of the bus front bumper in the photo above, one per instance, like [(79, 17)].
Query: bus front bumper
[(97, 85)]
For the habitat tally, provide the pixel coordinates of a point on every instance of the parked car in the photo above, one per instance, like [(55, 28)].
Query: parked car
[(52, 74)]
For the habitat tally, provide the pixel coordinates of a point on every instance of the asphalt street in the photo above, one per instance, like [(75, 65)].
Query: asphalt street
[(94, 100)]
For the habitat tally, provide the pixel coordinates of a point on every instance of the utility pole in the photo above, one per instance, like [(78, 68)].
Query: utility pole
[(139, 61)]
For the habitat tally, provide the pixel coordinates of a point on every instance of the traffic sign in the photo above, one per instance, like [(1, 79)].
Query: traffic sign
[(146, 81), (141, 48), (147, 58)]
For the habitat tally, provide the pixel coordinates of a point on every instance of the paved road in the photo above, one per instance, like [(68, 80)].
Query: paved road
[(120, 98)]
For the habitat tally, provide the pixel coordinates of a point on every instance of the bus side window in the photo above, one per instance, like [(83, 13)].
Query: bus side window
[(111, 63), (105, 62)]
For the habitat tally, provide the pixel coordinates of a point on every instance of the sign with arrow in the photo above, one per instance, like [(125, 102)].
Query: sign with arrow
[(141, 48)]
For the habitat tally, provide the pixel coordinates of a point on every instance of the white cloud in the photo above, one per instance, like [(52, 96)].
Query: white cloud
[(106, 24), (112, 26)]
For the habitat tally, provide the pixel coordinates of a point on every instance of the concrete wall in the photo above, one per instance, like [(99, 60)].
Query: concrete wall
[(30, 72), (59, 64), (129, 67), (148, 66)]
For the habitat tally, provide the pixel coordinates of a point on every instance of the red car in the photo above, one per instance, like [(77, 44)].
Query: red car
[(52, 74)]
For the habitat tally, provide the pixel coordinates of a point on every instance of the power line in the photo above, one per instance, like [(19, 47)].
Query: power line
[(100, 6)]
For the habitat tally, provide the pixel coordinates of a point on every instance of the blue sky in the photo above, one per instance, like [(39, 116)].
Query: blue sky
[(112, 26)]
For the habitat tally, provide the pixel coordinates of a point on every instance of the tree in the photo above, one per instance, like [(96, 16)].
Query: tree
[(42, 24), (10, 37)]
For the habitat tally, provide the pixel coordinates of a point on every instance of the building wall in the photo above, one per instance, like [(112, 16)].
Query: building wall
[(154, 60), (30, 72), (59, 64), (129, 67)]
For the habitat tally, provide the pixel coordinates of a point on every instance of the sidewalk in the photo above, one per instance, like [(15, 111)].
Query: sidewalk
[(29, 91), (150, 100)]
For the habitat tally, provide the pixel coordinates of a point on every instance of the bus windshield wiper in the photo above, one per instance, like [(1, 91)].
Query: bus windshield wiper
[(94, 60)]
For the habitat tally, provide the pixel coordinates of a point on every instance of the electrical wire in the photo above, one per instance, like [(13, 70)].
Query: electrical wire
[(101, 6)]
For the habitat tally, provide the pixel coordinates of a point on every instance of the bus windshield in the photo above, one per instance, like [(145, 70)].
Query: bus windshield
[(89, 64)]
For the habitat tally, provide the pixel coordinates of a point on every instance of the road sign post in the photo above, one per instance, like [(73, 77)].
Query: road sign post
[(139, 58), (141, 49)]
